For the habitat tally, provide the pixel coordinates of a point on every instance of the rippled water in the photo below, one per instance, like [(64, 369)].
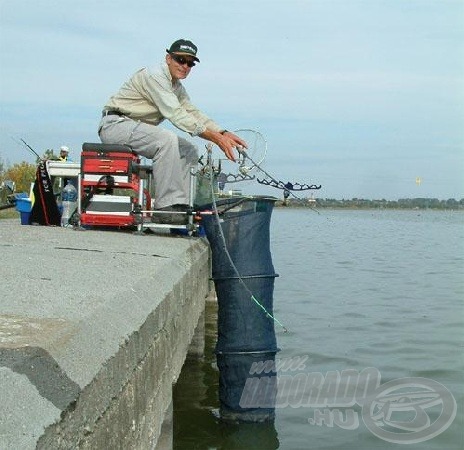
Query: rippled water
[(357, 289)]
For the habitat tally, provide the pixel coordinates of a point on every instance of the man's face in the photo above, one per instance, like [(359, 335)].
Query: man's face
[(179, 65)]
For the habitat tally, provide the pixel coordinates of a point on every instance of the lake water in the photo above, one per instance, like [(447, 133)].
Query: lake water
[(380, 289)]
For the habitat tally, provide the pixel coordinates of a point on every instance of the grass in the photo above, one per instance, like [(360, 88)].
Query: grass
[(9, 213)]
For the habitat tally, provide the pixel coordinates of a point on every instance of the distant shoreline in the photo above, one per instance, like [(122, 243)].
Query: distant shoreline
[(360, 204), (280, 206)]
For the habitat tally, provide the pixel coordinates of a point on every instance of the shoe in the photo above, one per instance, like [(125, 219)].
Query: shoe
[(172, 219)]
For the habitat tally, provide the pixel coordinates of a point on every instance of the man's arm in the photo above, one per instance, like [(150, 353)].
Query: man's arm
[(174, 104)]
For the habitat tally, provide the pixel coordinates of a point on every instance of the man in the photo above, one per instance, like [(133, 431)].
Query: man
[(132, 117), (64, 157), (64, 153)]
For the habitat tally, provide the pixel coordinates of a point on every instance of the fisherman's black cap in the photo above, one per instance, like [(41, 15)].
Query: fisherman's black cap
[(184, 47)]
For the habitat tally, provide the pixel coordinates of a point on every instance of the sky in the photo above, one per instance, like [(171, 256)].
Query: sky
[(364, 97)]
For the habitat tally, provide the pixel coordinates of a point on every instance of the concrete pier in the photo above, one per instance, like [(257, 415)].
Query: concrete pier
[(94, 329)]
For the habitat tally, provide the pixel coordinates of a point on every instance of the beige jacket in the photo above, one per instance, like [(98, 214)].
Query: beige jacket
[(151, 96)]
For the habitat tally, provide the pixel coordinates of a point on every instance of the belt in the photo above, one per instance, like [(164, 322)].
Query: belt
[(112, 113)]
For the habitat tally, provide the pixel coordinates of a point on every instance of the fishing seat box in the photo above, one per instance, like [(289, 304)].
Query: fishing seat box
[(110, 185)]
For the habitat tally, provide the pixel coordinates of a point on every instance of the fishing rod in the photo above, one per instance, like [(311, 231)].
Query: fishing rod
[(28, 147)]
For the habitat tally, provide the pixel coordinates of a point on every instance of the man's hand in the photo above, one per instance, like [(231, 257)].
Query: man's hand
[(227, 142), (237, 141)]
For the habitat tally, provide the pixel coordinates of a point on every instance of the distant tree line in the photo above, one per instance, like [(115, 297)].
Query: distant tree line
[(22, 174), (361, 203)]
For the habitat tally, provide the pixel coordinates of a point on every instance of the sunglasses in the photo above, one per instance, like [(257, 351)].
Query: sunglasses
[(181, 60)]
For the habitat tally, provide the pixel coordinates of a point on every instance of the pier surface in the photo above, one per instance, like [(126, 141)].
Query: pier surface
[(94, 329)]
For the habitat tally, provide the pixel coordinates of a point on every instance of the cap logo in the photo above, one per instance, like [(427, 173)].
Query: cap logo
[(187, 47)]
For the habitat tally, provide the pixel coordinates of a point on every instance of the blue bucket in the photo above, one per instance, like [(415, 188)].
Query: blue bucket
[(24, 206)]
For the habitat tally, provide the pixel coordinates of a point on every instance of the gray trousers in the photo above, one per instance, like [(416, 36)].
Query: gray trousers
[(173, 156)]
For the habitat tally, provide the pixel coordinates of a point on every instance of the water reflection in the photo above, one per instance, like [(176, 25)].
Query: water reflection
[(248, 436)]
